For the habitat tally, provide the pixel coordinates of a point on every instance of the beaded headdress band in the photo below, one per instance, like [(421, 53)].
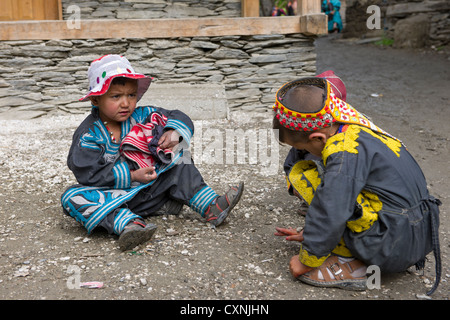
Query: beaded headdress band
[(332, 110), (299, 121)]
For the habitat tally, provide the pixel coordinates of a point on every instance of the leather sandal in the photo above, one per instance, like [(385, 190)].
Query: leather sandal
[(336, 275), (221, 207)]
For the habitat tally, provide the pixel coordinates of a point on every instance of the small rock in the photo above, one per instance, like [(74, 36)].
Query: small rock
[(258, 270), (22, 272), (423, 296)]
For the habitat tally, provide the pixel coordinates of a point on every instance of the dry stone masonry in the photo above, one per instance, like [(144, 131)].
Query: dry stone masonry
[(154, 9), (46, 75)]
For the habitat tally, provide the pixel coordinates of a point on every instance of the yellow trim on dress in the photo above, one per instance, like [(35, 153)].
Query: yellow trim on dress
[(370, 206), (342, 250), (345, 141), (310, 260), (391, 143), (313, 261), (304, 178)]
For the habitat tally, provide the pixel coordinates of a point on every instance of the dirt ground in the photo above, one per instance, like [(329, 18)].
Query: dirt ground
[(43, 252)]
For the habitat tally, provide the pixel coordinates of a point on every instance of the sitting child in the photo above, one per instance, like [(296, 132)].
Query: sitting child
[(131, 162), (367, 196)]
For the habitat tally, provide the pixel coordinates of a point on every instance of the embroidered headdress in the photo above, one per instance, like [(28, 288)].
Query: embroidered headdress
[(332, 110), (103, 70)]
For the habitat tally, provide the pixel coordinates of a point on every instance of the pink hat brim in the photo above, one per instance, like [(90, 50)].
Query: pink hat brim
[(143, 85)]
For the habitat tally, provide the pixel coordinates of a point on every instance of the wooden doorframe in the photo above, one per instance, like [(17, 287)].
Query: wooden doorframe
[(26, 10), (60, 10), (250, 8)]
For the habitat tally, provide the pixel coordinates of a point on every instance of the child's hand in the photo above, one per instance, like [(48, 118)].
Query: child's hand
[(169, 139), (144, 175), (297, 268), (290, 233)]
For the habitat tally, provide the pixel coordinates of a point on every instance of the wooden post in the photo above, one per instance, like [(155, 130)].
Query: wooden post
[(305, 7), (312, 20), (60, 10), (250, 8)]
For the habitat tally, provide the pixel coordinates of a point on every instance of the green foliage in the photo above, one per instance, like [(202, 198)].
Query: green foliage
[(385, 42), (281, 3)]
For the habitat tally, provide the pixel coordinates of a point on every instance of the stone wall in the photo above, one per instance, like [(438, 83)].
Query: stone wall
[(45, 75), (411, 23), (153, 9)]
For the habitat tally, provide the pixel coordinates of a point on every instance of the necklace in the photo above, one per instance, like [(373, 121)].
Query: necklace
[(110, 132)]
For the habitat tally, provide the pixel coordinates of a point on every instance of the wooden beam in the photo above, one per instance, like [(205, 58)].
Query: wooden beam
[(159, 28)]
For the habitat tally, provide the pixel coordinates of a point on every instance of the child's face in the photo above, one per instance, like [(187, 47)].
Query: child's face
[(118, 103)]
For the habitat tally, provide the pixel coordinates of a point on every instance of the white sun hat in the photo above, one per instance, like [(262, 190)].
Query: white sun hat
[(103, 70)]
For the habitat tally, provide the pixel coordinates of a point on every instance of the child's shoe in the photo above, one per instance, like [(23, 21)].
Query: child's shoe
[(348, 274), (135, 233), (219, 209)]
